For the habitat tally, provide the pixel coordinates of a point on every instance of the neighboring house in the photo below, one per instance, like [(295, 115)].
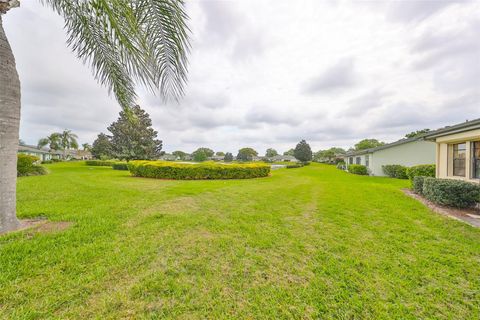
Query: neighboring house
[(168, 157), (77, 154), (405, 152), (282, 158), (217, 158), (458, 151), (42, 154)]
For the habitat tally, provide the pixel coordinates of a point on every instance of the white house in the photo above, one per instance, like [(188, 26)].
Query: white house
[(405, 152)]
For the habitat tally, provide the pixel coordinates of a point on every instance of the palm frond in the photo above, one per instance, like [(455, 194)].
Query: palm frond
[(130, 41)]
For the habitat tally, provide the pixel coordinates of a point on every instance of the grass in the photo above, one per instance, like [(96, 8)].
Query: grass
[(313, 242)]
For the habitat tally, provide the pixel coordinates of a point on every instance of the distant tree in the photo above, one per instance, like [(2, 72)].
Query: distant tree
[(417, 133), (328, 155), (180, 154), (220, 153), (368, 143), (290, 152), (324, 155), (133, 136), (102, 147), (86, 147), (246, 154), (303, 152), (271, 153), (208, 152), (228, 157), (199, 155), (53, 141)]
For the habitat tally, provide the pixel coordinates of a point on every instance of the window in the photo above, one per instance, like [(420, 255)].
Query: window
[(358, 160), (350, 160), (476, 160), (459, 153), (367, 160)]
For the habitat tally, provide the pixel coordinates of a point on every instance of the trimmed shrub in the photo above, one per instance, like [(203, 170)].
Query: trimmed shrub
[(200, 171), (47, 162), (100, 163), (423, 170), (358, 169), (57, 160), (395, 171), (120, 166), (417, 184), (296, 165), (453, 193), (26, 166)]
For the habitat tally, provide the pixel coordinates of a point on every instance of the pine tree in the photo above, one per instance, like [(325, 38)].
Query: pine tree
[(303, 152), (133, 136)]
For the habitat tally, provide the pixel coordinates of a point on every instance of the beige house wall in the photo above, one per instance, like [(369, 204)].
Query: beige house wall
[(445, 154)]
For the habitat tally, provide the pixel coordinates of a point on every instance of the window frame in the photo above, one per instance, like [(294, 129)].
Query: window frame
[(456, 158), (475, 169)]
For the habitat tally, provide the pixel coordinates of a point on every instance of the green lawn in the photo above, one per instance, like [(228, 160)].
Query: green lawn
[(312, 242)]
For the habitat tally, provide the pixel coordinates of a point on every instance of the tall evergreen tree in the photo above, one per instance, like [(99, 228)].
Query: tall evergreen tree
[(133, 136), (228, 157), (303, 152), (102, 147)]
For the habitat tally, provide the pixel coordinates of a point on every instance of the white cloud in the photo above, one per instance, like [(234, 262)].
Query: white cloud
[(267, 73)]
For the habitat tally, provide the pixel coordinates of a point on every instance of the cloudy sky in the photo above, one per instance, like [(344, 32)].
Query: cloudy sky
[(269, 73)]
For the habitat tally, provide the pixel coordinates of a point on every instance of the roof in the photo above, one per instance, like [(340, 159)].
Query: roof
[(31, 149), (385, 146), (458, 128)]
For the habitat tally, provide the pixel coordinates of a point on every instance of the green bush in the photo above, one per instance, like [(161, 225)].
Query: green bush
[(358, 169), (395, 171), (56, 160), (120, 166), (417, 184), (423, 170), (200, 171), (295, 165), (47, 161), (448, 192), (100, 163), (26, 166)]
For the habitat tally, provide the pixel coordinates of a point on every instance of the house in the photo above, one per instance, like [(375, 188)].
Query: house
[(42, 154), (168, 157), (282, 158), (458, 151), (405, 152), (78, 154)]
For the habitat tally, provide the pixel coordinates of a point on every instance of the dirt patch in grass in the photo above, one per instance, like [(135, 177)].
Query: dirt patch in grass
[(41, 225), (470, 216)]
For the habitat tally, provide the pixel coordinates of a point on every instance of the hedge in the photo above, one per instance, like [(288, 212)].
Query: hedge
[(395, 171), (358, 169), (417, 184), (448, 192), (120, 166), (295, 165), (26, 166), (100, 163), (423, 170), (200, 171)]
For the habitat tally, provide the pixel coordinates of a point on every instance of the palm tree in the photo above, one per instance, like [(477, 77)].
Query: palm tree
[(53, 141), (68, 140), (86, 147), (124, 41)]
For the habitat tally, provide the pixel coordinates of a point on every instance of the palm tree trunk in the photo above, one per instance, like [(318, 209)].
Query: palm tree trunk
[(9, 127)]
